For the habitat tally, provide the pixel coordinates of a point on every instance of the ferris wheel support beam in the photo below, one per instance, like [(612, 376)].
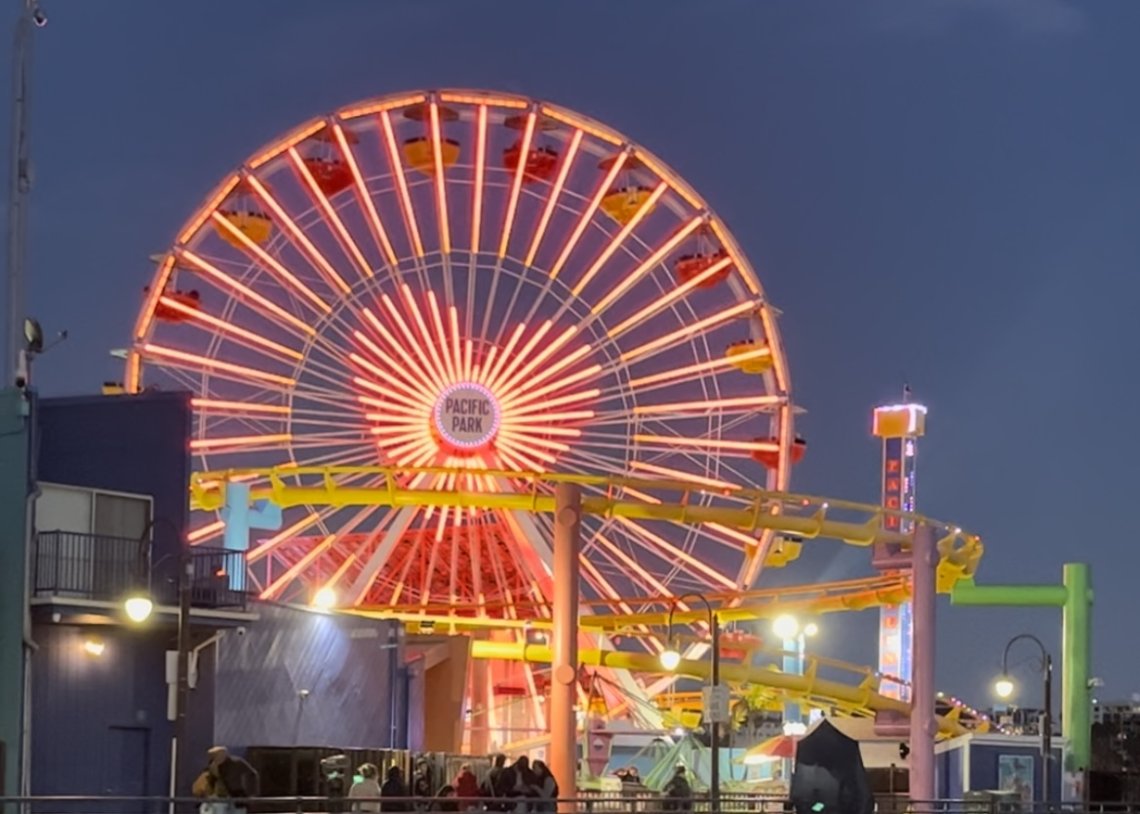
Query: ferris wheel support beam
[(380, 556)]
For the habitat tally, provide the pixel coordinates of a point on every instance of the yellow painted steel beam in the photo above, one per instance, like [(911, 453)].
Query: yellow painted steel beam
[(748, 510), (861, 698)]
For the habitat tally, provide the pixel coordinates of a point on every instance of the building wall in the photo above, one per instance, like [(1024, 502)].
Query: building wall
[(99, 721), (14, 488), (984, 760), (136, 444), (303, 678)]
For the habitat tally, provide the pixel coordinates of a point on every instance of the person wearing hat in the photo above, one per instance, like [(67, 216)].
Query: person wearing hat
[(226, 778)]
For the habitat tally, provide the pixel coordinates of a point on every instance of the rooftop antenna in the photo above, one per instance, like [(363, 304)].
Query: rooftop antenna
[(19, 189)]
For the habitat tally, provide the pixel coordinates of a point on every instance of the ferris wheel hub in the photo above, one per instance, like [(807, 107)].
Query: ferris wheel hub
[(466, 417)]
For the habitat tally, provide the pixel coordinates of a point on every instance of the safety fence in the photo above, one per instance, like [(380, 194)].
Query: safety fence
[(588, 804)]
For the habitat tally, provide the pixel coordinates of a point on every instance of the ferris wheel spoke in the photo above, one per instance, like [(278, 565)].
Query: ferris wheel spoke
[(392, 533), (268, 309), (299, 239), (552, 203), (684, 333), (327, 543), (667, 299), (216, 367), (617, 240), (588, 213), (722, 446), (397, 168), (673, 554), (411, 370), (363, 197), (287, 279), (247, 339), (348, 245)]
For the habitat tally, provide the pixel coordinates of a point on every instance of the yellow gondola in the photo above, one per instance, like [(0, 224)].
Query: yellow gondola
[(752, 364), (419, 154), (623, 204), (255, 225)]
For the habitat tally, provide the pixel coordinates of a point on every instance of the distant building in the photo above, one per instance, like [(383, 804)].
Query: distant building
[(1121, 715)]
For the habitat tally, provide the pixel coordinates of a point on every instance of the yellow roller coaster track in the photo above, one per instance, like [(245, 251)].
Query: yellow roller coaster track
[(747, 510)]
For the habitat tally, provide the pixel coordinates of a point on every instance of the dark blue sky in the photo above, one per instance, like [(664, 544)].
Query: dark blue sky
[(942, 192)]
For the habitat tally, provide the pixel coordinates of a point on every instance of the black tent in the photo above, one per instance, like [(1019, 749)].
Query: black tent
[(829, 776)]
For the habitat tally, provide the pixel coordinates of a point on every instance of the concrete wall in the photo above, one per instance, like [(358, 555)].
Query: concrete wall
[(351, 667)]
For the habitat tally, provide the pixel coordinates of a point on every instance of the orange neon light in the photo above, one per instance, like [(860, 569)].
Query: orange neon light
[(207, 209), (370, 108), (509, 369), (688, 330), (402, 326), (477, 190), (374, 222), (568, 399), (413, 365), (201, 316), (680, 475), (297, 568), (493, 101), (661, 171), (767, 320), (282, 536), (493, 371), (508, 385), (674, 551), (531, 391), (238, 406), (708, 404), (440, 181), (418, 316), (534, 428), (295, 137), (552, 201), (747, 275), (456, 347), (711, 364), (570, 415), (582, 123), (240, 441), (401, 184), (299, 237), (441, 336), (668, 297), (526, 449), (526, 439), (711, 443), (516, 184), (587, 215), (214, 364), (620, 237), (267, 261), (411, 384), (322, 200), (653, 259), (206, 531), (165, 269), (634, 566)]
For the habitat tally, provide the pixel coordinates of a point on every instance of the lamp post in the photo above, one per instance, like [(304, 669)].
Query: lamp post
[(671, 659), (1004, 687), (794, 637), (139, 606)]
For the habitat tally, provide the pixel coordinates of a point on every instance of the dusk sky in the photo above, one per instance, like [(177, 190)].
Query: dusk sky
[(939, 192)]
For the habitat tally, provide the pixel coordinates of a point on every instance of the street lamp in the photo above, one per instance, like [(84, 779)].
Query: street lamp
[(1004, 688), (670, 659), (139, 606)]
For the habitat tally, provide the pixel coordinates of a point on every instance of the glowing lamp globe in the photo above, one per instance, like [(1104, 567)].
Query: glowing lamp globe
[(1003, 687), (785, 626), (138, 608), (670, 659), (811, 629), (325, 599)]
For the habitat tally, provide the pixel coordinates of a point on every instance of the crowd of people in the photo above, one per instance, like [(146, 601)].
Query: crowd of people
[(520, 787)]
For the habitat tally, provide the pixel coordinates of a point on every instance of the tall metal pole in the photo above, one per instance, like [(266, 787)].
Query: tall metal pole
[(1047, 733), (19, 188), (182, 692), (564, 656), (923, 723), (714, 733)]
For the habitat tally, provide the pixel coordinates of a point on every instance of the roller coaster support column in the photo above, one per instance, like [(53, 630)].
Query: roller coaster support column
[(563, 691), (1074, 596), (923, 721)]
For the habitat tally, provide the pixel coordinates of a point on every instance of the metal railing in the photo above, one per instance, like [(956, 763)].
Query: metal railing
[(608, 803), (105, 568)]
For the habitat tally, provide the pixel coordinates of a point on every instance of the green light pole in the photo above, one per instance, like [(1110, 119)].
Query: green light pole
[(1075, 597)]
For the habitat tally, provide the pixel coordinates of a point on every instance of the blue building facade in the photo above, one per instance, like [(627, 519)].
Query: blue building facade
[(972, 763)]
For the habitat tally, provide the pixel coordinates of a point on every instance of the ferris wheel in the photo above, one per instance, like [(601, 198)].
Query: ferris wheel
[(483, 283)]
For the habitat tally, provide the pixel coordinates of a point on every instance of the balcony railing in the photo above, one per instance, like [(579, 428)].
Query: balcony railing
[(103, 568)]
